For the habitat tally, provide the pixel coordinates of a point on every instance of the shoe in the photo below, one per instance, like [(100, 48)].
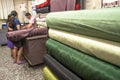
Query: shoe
[(21, 62)]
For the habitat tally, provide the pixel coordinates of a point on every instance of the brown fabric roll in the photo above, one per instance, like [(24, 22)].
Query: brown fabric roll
[(15, 36)]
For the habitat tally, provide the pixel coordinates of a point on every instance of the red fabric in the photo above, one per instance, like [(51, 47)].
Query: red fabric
[(77, 6), (47, 3)]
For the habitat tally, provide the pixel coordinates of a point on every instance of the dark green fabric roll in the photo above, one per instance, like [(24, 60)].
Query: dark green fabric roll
[(100, 23), (87, 67)]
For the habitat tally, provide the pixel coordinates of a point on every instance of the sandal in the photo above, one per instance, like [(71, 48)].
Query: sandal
[(21, 62)]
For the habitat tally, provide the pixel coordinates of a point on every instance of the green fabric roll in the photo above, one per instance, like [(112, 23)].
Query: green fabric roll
[(101, 23), (85, 66), (103, 49), (48, 75)]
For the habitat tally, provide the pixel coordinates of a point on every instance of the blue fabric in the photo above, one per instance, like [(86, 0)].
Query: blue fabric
[(16, 22), (10, 44)]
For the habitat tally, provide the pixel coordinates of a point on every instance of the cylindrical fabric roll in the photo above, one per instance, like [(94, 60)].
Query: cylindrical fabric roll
[(21, 34), (101, 23), (46, 3), (103, 49), (58, 69), (85, 66), (48, 75), (41, 24), (45, 9)]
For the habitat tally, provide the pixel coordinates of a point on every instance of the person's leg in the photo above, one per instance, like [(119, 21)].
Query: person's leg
[(14, 50), (20, 51)]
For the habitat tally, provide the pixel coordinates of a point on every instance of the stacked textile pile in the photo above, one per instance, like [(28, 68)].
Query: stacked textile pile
[(43, 7), (41, 20), (86, 43)]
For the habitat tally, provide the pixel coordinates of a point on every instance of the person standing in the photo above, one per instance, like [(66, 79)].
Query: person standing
[(17, 48)]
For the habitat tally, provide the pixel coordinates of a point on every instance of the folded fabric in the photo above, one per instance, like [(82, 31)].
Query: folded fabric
[(3, 39), (101, 23), (45, 9), (58, 5), (46, 3), (41, 24), (48, 75), (58, 69), (21, 34), (103, 49), (85, 66)]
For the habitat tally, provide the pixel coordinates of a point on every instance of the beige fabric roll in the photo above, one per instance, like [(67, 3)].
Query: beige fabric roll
[(106, 50), (41, 24)]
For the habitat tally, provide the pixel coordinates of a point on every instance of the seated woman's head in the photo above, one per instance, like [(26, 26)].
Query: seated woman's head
[(28, 15), (14, 13)]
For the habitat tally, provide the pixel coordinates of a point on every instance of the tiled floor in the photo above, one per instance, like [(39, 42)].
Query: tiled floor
[(10, 71)]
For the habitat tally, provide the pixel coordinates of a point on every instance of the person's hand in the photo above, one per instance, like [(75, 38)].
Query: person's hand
[(24, 27)]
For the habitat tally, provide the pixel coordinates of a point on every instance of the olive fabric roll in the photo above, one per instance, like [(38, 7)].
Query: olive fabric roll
[(101, 23), (48, 75), (58, 69), (85, 66), (103, 49)]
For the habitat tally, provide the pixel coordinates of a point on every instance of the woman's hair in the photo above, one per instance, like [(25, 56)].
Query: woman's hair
[(11, 17), (8, 18)]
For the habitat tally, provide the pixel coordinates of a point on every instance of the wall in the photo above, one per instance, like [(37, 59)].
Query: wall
[(17, 8)]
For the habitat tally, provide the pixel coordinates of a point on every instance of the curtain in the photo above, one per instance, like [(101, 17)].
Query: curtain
[(58, 5), (6, 6), (71, 4)]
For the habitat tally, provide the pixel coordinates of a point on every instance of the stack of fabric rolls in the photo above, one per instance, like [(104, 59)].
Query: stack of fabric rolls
[(84, 45), (43, 7)]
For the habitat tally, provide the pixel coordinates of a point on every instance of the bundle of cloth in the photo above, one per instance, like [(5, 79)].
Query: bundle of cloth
[(85, 66), (45, 3), (21, 34), (3, 39), (61, 72), (96, 23), (86, 42), (48, 75), (43, 7)]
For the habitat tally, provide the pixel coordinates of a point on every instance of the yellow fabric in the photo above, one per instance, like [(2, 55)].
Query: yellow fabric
[(48, 75), (103, 49)]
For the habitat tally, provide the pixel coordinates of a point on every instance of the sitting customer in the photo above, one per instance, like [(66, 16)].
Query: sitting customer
[(32, 21)]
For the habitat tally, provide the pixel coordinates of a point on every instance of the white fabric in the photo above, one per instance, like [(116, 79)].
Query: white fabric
[(40, 19), (6, 6), (37, 2)]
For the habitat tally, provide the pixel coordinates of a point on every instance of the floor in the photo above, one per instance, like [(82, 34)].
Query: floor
[(10, 71)]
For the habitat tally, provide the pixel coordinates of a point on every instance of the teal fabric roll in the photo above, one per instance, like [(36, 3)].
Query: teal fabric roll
[(101, 23), (85, 66)]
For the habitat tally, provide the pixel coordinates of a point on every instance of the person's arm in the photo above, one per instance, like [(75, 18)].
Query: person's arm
[(18, 27), (10, 29), (29, 25), (17, 22)]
